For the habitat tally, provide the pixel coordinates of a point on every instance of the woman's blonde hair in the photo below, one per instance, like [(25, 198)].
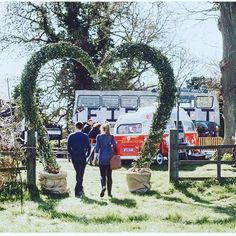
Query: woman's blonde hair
[(105, 127)]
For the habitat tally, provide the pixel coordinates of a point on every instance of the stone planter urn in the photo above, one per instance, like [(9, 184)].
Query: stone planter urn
[(54, 183), (138, 179)]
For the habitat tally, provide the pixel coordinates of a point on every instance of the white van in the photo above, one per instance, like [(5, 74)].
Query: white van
[(131, 130)]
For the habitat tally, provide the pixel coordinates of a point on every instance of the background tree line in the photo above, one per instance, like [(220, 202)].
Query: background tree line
[(97, 27)]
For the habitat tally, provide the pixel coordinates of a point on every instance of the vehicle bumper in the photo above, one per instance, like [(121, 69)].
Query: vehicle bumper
[(129, 157)]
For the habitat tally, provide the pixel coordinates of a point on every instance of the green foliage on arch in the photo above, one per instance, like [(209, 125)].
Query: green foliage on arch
[(66, 50), (167, 91), (28, 89)]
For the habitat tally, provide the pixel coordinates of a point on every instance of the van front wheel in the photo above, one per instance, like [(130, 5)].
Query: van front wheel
[(159, 159)]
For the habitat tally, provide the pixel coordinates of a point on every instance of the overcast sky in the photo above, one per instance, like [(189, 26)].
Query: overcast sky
[(201, 38)]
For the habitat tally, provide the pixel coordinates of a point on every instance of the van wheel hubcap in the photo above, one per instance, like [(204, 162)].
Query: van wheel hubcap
[(159, 159)]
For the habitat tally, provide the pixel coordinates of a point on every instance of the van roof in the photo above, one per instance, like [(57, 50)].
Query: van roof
[(130, 118), (145, 113), (150, 110)]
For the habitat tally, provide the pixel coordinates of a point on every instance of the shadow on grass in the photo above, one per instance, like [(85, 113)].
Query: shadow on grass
[(13, 191), (68, 217), (229, 211), (107, 219), (188, 194), (183, 187), (228, 182), (48, 207), (54, 195), (117, 218), (193, 196), (126, 202), (156, 167), (173, 199), (51, 201), (87, 200), (149, 193), (223, 221), (177, 218), (188, 167)]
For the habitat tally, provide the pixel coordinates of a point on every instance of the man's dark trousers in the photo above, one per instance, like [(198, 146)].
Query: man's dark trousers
[(79, 168)]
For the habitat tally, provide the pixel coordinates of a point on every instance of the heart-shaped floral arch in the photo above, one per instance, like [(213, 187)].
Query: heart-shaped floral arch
[(67, 50)]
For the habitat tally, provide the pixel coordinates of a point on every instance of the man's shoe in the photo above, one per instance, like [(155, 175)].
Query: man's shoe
[(109, 194), (102, 192), (80, 194)]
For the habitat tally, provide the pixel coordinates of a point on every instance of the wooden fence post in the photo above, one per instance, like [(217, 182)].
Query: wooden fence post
[(173, 157), (218, 165), (31, 162)]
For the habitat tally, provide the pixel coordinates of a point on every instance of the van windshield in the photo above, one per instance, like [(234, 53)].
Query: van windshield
[(170, 125), (188, 126), (129, 128)]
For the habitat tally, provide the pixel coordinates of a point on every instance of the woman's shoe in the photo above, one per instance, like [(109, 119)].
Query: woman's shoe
[(102, 192)]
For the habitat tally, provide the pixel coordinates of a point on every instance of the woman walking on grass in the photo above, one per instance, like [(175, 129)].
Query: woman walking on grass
[(105, 146)]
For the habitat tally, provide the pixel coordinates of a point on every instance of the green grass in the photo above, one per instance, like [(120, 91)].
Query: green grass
[(202, 206)]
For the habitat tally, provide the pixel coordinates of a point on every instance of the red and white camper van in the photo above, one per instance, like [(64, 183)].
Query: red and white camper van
[(131, 129)]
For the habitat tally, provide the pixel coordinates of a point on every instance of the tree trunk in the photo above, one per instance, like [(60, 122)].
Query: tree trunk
[(227, 26)]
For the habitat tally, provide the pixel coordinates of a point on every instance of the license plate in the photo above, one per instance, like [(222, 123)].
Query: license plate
[(128, 149)]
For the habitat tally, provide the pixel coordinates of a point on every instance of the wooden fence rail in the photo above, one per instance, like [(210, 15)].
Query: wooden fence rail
[(62, 152), (13, 169), (209, 141), (174, 161)]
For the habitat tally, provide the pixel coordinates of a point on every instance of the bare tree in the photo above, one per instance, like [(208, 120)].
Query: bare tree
[(95, 27)]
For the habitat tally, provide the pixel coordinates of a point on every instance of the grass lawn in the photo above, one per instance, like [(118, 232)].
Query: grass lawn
[(202, 206)]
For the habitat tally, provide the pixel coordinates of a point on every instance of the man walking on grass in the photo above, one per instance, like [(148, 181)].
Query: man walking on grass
[(79, 148)]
